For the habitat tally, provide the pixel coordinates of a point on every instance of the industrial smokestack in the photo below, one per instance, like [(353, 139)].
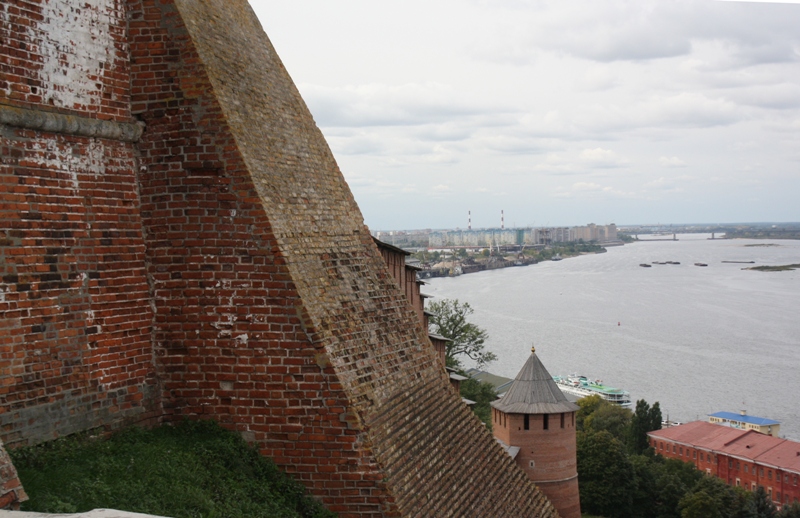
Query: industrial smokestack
[(469, 220), (502, 220)]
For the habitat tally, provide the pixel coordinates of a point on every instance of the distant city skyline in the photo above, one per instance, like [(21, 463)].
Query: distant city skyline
[(558, 113)]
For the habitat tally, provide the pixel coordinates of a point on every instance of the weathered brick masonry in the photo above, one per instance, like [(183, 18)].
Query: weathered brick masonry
[(213, 265)]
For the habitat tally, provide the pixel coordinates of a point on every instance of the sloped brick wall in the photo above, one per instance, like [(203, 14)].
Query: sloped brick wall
[(435, 457), (230, 327)]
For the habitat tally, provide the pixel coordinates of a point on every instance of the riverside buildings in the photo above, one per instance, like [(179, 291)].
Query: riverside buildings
[(741, 458)]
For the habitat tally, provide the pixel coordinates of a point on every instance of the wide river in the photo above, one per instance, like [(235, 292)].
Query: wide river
[(697, 339)]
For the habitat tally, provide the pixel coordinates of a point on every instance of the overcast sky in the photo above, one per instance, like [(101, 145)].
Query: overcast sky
[(557, 112)]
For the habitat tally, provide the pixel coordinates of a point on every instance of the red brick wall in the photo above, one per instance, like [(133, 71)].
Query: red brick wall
[(734, 471), (549, 457), (65, 56), (75, 343)]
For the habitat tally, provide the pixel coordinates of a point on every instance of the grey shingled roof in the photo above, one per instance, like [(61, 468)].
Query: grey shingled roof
[(534, 392)]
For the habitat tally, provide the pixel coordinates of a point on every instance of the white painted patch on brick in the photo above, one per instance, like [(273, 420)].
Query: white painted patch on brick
[(76, 46), (54, 154)]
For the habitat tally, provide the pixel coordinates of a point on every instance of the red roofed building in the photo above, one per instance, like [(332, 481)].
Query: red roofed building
[(743, 458)]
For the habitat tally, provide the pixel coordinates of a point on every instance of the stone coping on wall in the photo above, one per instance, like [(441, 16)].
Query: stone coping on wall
[(97, 513)]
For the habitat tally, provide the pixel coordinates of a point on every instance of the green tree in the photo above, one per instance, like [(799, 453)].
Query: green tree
[(449, 319), (483, 394), (606, 477), (644, 419), (645, 495), (762, 504), (586, 407), (700, 504), (789, 511), (728, 502), (611, 418)]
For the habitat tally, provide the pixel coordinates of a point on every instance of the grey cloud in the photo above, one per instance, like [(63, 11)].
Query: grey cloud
[(384, 105)]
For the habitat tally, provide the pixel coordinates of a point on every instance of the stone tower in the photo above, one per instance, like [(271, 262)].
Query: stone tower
[(535, 423)]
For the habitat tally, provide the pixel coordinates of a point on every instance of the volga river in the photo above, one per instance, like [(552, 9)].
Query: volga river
[(697, 339)]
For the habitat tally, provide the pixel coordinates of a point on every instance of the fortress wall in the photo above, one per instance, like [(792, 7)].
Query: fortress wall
[(232, 334), (435, 457), (214, 266), (75, 329)]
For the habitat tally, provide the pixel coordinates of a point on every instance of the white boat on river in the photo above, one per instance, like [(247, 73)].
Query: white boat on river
[(581, 386)]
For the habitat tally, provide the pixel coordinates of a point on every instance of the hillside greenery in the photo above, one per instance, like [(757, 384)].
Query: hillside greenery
[(192, 470)]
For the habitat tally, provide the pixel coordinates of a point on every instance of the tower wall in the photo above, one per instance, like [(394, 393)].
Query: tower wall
[(75, 333), (549, 457)]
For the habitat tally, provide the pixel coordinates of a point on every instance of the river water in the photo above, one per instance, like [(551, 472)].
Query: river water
[(697, 339)]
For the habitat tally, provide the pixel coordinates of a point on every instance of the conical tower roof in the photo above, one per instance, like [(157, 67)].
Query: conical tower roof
[(534, 392)]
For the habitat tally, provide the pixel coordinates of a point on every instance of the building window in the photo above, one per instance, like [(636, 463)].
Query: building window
[(761, 472), (527, 423), (546, 422), (562, 419), (694, 454), (730, 464), (681, 449), (738, 482), (769, 474), (738, 466), (745, 468), (777, 496)]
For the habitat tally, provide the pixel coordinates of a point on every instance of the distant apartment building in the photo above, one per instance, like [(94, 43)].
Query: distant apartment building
[(484, 238)]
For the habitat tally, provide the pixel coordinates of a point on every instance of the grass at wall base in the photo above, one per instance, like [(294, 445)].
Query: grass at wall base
[(195, 469)]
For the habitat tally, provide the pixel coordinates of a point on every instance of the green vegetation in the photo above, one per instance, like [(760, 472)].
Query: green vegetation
[(449, 319), (570, 249), (195, 469), (483, 394), (764, 233), (783, 268)]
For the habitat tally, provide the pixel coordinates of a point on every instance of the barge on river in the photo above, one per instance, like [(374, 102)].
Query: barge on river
[(581, 386)]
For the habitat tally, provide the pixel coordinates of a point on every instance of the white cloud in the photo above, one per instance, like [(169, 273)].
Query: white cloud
[(599, 157), (672, 161)]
